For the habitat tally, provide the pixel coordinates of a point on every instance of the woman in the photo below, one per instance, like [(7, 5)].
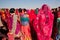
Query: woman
[(3, 28), (43, 23), (58, 25), (54, 30), (25, 28), (14, 26), (32, 16), (36, 11)]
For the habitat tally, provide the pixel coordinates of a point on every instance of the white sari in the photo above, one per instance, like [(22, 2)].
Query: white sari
[(14, 24)]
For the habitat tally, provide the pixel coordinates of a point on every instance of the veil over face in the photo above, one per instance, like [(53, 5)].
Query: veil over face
[(45, 7), (43, 23)]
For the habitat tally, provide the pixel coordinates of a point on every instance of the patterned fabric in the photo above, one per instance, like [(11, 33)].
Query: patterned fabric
[(43, 24), (17, 28), (10, 20), (32, 15), (14, 25), (25, 28), (24, 18)]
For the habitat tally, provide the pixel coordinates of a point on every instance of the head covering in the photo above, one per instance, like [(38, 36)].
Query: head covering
[(45, 6), (43, 23), (32, 15), (7, 13), (16, 11)]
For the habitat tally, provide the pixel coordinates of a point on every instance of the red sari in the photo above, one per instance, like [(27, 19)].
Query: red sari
[(43, 24), (7, 14)]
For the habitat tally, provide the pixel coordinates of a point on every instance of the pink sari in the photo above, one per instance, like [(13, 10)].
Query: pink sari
[(43, 24), (14, 29)]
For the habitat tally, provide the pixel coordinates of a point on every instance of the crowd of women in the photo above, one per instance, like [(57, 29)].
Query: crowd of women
[(34, 24)]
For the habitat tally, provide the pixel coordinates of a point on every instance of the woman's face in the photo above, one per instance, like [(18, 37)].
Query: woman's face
[(22, 11), (45, 8)]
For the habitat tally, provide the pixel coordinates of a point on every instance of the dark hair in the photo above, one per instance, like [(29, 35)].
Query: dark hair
[(58, 7), (55, 9), (37, 8), (20, 10), (12, 10), (24, 9), (52, 9)]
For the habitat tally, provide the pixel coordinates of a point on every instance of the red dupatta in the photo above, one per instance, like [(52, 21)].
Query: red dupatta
[(7, 14), (32, 15), (16, 11)]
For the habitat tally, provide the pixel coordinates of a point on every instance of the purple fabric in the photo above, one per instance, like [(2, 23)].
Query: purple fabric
[(10, 23), (17, 28)]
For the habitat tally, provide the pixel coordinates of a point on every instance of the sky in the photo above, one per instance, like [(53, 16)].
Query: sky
[(29, 4)]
